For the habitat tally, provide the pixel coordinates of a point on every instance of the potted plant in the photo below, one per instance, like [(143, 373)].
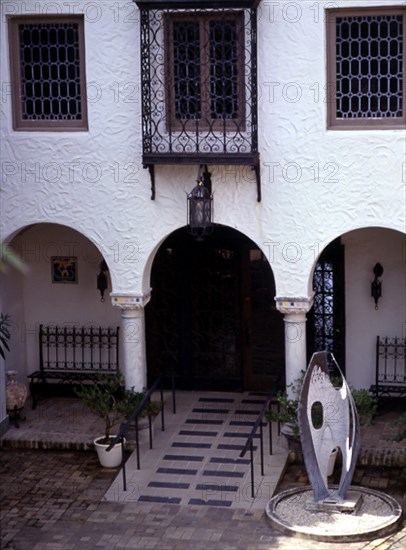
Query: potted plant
[(366, 405), (286, 414), (130, 400), (104, 398)]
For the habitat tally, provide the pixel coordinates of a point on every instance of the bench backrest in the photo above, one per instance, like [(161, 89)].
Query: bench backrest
[(72, 348), (390, 360)]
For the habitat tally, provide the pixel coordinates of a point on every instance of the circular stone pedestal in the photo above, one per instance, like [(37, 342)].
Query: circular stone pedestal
[(378, 515)]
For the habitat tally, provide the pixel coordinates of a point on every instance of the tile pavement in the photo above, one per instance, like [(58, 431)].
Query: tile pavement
[(54, 499), (197, 461)]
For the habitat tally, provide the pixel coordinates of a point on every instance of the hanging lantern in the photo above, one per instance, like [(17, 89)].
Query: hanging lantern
[(200, 208), (102, 280), (376, 285)]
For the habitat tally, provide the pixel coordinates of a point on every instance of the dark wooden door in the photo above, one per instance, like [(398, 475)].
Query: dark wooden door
[(263, 324), (211, 319)]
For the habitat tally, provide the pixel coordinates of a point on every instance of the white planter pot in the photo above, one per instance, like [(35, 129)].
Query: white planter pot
[(108, 459), (331, 462)]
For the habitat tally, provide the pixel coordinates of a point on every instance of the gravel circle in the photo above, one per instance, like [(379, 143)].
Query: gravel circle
[(377, 512)]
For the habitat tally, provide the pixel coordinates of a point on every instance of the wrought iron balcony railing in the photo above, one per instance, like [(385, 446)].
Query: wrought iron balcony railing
[(199, 83)]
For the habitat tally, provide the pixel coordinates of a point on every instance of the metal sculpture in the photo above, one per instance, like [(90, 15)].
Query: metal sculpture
[(336, 427)]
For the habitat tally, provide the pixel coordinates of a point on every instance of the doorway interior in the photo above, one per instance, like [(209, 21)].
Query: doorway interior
[(212, 319)]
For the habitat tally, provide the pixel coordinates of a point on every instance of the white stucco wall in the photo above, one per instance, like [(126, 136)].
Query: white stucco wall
[(364, 248), (317, 184), (321, 183)]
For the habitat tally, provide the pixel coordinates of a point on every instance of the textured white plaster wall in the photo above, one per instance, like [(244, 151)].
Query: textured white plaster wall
[(92, 181), (317, 184), (360, 172), (322, 183), (363, 249), (33, 299)]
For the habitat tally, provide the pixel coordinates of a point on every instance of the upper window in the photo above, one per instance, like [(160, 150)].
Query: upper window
[(47, 73), (205, 67), (199, 83), (366, 68)]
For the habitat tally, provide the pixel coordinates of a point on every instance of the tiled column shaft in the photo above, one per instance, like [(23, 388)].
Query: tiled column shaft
[(294, 310), (134, 363)]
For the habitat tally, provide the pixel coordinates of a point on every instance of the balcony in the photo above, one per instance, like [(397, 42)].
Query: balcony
[(199, 83)]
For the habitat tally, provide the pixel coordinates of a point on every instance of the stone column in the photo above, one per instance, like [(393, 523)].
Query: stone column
[(294, 310), (133, 361)]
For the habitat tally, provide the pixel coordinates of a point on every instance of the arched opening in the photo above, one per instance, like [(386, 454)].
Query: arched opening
[(326, 319), (212, 318), (344, 319), (59, 288)]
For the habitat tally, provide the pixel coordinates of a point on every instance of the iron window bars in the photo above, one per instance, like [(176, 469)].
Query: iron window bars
[(48, 74), (199, 83), (366, 60)]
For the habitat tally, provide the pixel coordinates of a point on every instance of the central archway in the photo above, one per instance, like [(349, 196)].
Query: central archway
[(212, 318)]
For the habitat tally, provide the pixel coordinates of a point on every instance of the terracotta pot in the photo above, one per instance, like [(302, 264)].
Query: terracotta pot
[(16, 394)]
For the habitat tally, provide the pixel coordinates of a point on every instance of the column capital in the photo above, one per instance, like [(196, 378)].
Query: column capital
[(129, 300), (290, 304)]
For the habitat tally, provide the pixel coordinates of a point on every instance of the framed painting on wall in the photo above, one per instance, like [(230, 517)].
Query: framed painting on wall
[(64, 269)]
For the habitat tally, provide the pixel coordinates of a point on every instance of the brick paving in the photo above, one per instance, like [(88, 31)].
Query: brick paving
[(52, 500)]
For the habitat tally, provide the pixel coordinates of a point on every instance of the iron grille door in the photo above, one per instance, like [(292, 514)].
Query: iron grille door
[(326, 319)]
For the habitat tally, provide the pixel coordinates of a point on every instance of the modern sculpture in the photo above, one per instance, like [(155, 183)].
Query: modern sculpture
[(328, 420), (337, 428)]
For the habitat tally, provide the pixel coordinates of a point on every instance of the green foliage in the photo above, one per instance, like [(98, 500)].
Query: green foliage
[(4, 333), (130, 400), (110, 401), (365, 404), (103, 399), (287, 413)]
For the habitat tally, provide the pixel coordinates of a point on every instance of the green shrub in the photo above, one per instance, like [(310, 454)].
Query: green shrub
[(365, 404), (110, 401), (103, 398)]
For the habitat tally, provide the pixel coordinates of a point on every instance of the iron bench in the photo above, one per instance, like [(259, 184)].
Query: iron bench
[(71, 355), (390, 373)]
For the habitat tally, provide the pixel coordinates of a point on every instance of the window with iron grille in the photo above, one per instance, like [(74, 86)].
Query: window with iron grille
[(199, 83), (366, 66), (205, 68), (47, 72)]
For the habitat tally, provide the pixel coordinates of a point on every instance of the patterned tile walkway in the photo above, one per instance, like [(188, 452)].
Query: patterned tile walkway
[(196, 461)]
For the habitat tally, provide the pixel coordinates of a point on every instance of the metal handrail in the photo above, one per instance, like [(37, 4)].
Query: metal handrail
[(133, 419), (250, 439)]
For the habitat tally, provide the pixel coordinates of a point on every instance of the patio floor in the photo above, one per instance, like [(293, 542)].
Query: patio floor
[(53, 499)]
